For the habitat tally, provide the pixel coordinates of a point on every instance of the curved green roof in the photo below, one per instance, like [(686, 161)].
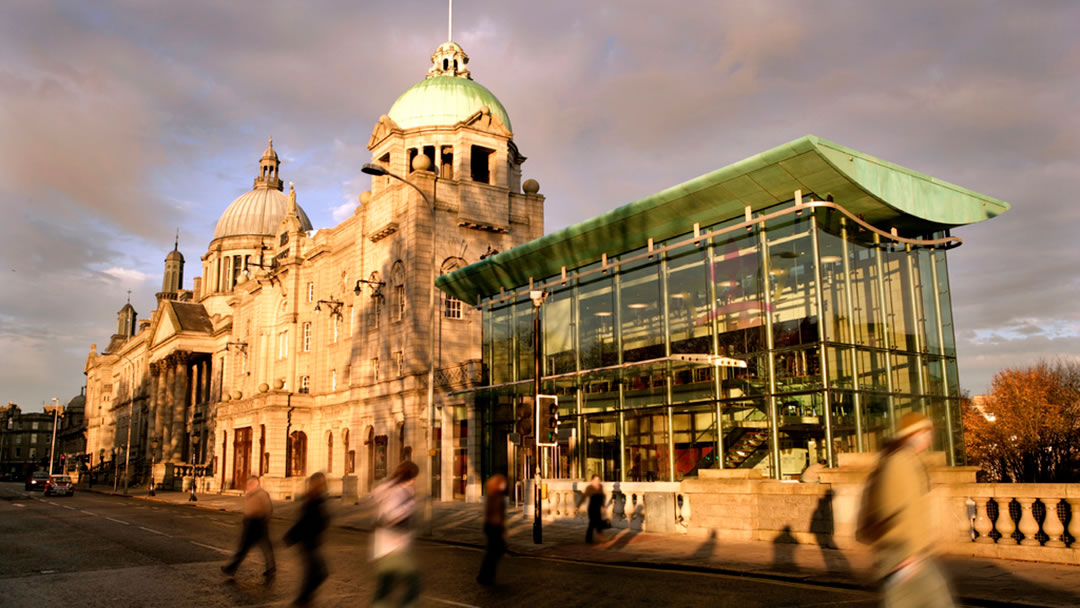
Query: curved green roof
[(444, 101), (884, 194)]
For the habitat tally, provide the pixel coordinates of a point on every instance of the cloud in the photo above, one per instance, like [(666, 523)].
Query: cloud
[(126, 274), (123, 120)]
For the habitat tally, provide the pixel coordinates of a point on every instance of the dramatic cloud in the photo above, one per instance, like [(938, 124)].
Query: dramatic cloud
[(124, 120)]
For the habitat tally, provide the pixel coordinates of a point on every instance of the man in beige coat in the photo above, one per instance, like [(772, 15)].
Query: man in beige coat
[(895, 519), (256, 530)]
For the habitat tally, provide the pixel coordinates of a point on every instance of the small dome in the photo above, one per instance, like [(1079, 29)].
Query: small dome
[(258, 212), (174, 255)]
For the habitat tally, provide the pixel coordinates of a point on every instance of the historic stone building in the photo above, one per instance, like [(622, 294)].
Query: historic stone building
[(297, 352)]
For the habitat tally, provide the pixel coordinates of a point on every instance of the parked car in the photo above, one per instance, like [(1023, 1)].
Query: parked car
[(37, 480), (59, 485)]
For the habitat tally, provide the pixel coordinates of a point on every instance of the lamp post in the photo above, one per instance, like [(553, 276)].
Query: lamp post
[(421, 163), (56, 409), (537, 296), (116, 469), (194, 466)]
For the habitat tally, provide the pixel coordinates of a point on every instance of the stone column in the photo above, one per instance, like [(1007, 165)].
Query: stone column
[(151, 411), (179, 406), (166, 402)]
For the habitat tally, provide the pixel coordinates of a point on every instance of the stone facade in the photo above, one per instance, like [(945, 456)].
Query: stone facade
[(297, 352)]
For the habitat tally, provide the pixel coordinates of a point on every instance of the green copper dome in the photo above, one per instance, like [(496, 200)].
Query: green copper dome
[(444, 101)]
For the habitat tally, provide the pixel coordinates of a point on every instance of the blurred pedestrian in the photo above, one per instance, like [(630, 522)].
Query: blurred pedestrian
[(895, 519), (307, 532), (256, 529), (594, 494), (494, 528), (392, 551)]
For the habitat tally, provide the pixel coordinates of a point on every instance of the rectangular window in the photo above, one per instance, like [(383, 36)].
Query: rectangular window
[(375, 369), (333, 380), (399, 363), (451, 308), (311, 292), (307, 337), (283, 344), (334, 332), (34, 426), (399, 302), (481, 164), (33, 436), (375, 311), (305, 384)]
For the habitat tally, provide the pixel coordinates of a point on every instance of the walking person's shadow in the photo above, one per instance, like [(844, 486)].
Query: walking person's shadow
[(784, 546), (822, 525)]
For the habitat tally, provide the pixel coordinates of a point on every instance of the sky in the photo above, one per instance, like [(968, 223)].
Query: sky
[(123, 121)]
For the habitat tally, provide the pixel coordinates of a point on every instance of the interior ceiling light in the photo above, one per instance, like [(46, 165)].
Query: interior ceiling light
[(830, 259)]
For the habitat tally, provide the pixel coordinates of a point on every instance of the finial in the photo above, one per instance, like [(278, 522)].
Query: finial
[(129, 297), (450, 23), (176, 244), (271, 140)]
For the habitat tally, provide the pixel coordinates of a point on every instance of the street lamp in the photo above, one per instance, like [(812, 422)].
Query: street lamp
[(537, 296), (194, 458), (422, 163), (57, 410)]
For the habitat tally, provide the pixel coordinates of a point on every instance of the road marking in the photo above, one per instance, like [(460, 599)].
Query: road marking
[(55, 504), (15, 504), (87, 512), (118, 521), (448, 602), (48, 571), (152, 530), (211, 547), (69, 508)]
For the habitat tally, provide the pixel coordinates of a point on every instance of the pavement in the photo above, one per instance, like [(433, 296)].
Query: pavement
[(977, 582)]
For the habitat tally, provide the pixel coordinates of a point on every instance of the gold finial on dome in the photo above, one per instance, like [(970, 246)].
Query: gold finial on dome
[(268, 168)]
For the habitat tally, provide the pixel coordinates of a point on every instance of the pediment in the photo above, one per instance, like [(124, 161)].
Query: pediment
[(485, 120), (166, 328), (383, 128)]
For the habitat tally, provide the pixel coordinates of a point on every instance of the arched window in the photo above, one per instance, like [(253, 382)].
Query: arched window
[(397, 281), (350, 455), (329, 452), (298, 453)]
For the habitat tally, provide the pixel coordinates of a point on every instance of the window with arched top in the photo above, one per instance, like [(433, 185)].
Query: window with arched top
[(397, 283), (350, 455), (330, 452), (297, 454)]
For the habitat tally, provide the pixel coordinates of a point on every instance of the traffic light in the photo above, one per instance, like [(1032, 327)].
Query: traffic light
[(548, 417)]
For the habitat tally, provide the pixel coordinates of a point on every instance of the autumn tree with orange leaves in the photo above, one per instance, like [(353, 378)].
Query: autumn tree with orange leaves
[(1029, 426)]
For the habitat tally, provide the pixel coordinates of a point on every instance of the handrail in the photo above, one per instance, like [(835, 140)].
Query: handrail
[(799, 206)]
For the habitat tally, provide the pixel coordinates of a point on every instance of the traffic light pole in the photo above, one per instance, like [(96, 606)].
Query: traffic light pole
[(538, 526)]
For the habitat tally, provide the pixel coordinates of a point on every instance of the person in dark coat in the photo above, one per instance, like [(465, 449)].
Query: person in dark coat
[(494, 528), (307, 532), (594, 493)]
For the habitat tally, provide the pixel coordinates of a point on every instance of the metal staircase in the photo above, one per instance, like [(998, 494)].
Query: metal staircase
[(742, 448)]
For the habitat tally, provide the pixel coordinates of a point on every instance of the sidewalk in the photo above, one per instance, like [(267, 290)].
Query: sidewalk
[(977, 581)]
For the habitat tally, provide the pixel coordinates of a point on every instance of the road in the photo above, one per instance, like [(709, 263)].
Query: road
[(97, 550)]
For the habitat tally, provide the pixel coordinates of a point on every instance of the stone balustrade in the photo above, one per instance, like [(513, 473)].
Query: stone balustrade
[(1033, 522)]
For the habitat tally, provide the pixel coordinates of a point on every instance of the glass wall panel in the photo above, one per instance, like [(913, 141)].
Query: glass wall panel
[(873, 375), (798, 369), (898, 287), (693, 384), (866, 303), (834, 294), (642, 323), (736, 273), (645, 385), (596, 313), (935, 380), (602, 447), (841, 373), (745, 425), (802, 432), (558, 328), (645, 440), (925, 289), (502, 345), (953, 376), (903, 404), (791, 281), (955, 406), (905, 369), (694, 436), (600, 391), (935, 410), (688, 301), (523, 337), (945, 298), (875, 419), (843, 423)]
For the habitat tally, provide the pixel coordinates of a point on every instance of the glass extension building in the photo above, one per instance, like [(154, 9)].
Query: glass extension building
[(770, 314)]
